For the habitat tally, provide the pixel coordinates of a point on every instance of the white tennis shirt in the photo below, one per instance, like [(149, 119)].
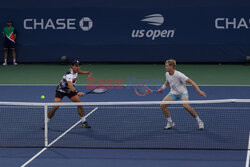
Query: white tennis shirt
[(177, 83)]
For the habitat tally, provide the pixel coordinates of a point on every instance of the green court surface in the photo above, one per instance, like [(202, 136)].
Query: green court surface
[(51, 73)]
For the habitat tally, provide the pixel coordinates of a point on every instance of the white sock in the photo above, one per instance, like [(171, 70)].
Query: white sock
[(169, 119), (198, 119), (14, 60), (83, 119), (5, 60)]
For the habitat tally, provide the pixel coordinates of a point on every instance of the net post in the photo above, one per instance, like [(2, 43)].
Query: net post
[(45, 124), (248, 152)]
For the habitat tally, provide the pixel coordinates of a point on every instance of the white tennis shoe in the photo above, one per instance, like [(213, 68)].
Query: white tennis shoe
[(169, 125), (201, 125)]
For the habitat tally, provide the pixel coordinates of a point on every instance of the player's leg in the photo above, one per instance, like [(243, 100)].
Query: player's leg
[(58, 98), (164, 107), (76, 98), (192, 112), (52, 111), (166, 112), (189, 108), (80, 109)]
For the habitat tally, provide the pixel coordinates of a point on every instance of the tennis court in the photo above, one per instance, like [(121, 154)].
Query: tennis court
[(130, 135), (139, 52)]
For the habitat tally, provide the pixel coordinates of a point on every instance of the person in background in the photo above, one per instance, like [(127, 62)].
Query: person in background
[(9, 36)]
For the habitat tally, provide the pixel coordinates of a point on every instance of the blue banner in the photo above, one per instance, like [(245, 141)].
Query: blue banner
[(187, 34)]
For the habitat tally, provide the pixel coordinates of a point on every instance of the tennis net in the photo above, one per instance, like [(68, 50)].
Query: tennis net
[(127, 125)]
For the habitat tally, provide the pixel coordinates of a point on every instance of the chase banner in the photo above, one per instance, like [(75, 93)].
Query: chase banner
[(205, 34)]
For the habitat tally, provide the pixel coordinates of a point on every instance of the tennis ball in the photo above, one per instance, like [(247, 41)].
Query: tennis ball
[(63, 58), (42, 97)]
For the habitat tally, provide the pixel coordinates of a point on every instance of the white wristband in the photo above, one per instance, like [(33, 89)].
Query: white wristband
[(163, 87)]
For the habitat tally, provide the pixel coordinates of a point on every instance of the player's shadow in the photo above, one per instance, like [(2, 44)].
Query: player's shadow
[(155, 136)]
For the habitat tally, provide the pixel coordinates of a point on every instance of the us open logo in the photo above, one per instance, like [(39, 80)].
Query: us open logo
[(154, 20)]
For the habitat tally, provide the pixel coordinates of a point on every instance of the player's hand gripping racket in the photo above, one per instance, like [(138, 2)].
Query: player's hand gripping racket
[(143, 90)]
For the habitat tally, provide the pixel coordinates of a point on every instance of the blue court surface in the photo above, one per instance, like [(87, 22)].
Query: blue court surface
[(141, 128)]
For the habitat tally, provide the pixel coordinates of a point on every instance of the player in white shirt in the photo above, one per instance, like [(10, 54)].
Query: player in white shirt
[(178, 91)]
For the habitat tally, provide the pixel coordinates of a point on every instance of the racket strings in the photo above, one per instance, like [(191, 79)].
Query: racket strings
[(100, 90), (142, 90)]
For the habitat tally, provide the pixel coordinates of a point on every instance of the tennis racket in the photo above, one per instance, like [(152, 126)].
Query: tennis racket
[(143, 90), (99, 90)]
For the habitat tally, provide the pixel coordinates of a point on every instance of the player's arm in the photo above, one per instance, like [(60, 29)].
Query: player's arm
[(73, 89), (85, 72), (166, 84), (196, 87)]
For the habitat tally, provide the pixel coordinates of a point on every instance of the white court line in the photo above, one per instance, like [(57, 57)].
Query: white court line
[(40, 152), (248, 152)]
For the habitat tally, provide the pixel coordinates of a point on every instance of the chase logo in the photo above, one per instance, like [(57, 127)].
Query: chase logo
[(57, 24), (86, 23), (154, 19), (150, 32)]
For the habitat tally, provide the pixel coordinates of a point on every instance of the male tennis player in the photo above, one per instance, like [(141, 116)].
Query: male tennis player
[(67, 88), (178, 91)]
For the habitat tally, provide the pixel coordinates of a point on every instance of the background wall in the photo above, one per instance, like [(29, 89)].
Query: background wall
[(111, 31)]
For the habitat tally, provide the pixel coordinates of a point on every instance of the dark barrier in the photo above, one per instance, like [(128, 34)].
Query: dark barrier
[(95, 34)]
